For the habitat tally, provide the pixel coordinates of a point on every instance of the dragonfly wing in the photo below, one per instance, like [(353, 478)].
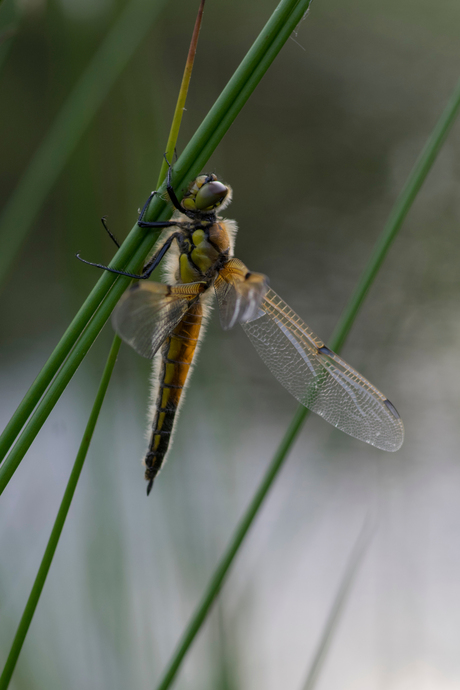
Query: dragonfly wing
[(148, 312), (239, 293), (320, 379)]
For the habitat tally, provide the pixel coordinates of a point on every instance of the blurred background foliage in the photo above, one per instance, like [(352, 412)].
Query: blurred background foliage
[(316, 160)]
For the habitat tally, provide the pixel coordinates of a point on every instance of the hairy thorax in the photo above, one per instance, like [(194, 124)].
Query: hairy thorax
[(203, 249)]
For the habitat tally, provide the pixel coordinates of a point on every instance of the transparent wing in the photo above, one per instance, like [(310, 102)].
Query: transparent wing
[(148, 312), (320, 379), (239, 293)]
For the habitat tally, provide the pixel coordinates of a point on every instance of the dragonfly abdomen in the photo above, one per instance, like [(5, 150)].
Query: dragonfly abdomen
[(177, 354)]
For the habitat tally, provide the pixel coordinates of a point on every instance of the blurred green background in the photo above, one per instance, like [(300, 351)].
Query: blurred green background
[(316, 160)]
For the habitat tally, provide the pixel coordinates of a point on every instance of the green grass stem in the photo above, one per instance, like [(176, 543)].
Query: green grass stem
[(59, 522), (246, 78), (180, 105), (109, 288)]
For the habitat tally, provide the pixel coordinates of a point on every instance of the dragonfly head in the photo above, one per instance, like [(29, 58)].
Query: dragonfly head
[(207, 193)]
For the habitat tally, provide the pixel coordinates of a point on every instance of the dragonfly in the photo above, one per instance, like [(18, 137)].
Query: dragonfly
[(166, 322)]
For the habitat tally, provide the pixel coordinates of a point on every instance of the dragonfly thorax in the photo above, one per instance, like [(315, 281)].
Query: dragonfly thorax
[(204, 248)]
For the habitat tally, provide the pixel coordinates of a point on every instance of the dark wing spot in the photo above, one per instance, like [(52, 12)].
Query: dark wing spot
[(325, 350), (392, 408)]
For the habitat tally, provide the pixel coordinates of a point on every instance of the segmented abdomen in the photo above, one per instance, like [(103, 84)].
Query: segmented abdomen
[(177, 354)]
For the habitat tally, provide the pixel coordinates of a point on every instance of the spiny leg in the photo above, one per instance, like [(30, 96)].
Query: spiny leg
[(149, 267), (106, 227), (172, 196)]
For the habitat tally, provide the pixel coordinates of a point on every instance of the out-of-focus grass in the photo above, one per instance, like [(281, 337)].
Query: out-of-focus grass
[(9, 23), (335, 613), (74, 117)]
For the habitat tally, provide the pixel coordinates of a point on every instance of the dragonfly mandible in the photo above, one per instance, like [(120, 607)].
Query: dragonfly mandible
[(166, 322)]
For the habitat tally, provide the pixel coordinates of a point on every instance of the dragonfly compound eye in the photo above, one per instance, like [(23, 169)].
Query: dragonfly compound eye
[(210, 195)]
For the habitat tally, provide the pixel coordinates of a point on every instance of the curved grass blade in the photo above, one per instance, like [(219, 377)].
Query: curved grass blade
[(396, 218), (59, 522), (354, 562), (70, 124), (109, 288), (180, 105)]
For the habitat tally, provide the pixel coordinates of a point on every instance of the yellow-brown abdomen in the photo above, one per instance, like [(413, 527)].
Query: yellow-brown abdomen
[(177, 354)]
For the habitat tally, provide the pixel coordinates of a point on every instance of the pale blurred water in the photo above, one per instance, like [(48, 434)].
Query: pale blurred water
[(316, 160)]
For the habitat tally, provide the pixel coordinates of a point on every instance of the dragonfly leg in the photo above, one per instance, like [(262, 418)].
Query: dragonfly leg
[(172, 194), (157, 257), (156, 224), (172, 197), (106, 227), (149, 266)]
